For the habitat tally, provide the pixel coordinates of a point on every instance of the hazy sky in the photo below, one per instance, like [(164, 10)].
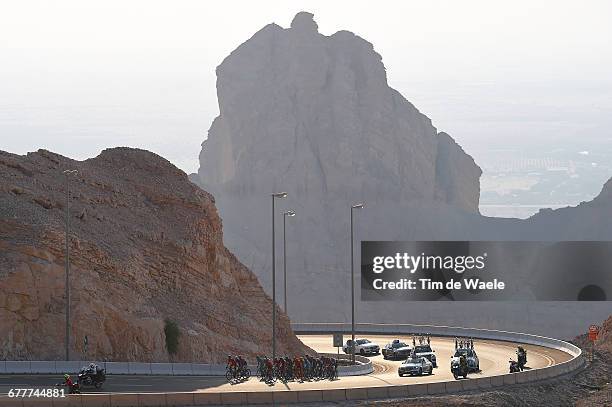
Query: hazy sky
[(80, 76)]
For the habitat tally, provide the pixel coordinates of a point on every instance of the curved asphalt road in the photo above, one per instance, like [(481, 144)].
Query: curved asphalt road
[(493, 355)]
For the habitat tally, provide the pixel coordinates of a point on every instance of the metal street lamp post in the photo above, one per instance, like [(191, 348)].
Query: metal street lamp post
[(67, 262), (288, 213), (355, 206), (274, 196)]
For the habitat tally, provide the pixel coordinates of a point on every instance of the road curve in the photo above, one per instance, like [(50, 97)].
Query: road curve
[(494, 356)]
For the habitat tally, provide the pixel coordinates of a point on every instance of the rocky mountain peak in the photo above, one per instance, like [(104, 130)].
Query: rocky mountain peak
[(316, 112), (304, 22)]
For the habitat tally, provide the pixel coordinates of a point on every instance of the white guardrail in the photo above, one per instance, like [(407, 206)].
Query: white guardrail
[(575, 362), (131, 368), (364, 366), (163, 369), (448, 331)]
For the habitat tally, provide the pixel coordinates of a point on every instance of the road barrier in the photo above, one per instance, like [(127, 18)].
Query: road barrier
[(364, 366), (291, 396), (447, 331), (576, 362)]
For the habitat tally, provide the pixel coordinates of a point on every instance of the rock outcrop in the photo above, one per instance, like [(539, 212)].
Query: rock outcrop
[(146, 247), (313, 115)]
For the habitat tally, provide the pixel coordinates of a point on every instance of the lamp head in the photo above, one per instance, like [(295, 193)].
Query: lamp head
[(289, 213), (279, 195), (359, 205)]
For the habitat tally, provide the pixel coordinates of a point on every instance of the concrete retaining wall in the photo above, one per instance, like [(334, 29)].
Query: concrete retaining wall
[(364, 367)]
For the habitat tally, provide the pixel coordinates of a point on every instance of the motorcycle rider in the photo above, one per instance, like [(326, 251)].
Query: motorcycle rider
[(521, 356), (91, 375), (463, 363), (92, 369)]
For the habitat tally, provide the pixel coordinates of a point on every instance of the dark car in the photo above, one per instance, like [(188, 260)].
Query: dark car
[(396, 350)]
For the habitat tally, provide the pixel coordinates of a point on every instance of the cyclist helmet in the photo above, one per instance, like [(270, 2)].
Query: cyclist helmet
[(66, 376)]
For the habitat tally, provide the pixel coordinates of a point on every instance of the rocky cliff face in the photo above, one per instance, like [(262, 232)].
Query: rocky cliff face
[(313, 115), (146, 246)]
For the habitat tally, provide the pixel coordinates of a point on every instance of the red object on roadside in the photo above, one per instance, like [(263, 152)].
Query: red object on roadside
[(593, 331)]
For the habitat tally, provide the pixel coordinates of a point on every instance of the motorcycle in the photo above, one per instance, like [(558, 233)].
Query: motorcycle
[(88, 378), (514, 366), (457, 370)]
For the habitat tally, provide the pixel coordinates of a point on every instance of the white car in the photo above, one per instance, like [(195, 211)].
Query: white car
[(415, 365), (363, 347), (471, 357), (427, 352)]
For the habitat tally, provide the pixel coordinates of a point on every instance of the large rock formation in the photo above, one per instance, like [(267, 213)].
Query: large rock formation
[(146, 247), (313, 115)]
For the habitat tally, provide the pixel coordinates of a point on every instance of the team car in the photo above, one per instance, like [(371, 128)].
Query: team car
[(415, 365), (426, 351), (362, 347), (396, 350), (471, 357)]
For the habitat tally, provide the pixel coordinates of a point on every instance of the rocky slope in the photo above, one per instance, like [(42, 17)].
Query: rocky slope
[(313, 115), (146, 246)]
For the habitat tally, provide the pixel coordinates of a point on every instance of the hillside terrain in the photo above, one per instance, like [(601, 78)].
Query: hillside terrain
[(146, 247)]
